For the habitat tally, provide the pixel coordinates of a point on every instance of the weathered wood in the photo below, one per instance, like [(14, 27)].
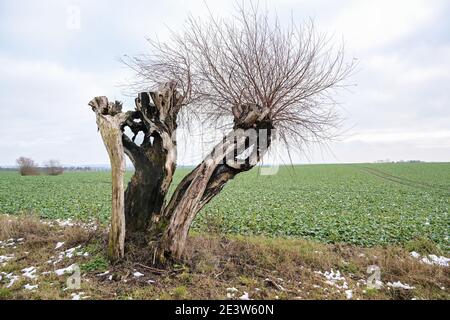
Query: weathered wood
[(206, 181), (140, 212), (109, 121), (154, 160)]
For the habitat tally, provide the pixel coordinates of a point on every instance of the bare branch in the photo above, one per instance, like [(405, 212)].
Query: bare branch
[(290, 71)]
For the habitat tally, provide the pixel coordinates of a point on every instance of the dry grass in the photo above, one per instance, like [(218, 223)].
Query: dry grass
[(265, 268), (22, 226)]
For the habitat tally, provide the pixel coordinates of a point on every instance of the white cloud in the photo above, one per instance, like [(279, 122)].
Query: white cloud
[(401, 136), (47, 115), (400, 107), (367, 24)]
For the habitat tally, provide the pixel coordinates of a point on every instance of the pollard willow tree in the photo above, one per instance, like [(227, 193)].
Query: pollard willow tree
[(250, 73)]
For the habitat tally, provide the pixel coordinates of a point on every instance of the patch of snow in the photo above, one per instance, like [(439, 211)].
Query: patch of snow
[(349, 294), (62, 271), (30, 287), (92, 225), (231, 292), (12, 280), (432, 259), (69, 253), (4, 259), (400, 285), (151, 281), (10, 243), (59, 245), (137, 274), (102, 274), (64, 223), (29, 272), (11, 277), (276, 285), (77, 296), (244, 296), (334, 279)]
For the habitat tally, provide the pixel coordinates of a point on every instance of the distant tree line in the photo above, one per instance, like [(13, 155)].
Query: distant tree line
[(28, 167), (400, 161)]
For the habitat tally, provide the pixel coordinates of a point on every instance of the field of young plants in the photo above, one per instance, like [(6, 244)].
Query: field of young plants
[(364, 204)]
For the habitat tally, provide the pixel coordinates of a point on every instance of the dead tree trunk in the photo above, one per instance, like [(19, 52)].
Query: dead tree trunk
[(109, 121), (142, 210), (154, 160)]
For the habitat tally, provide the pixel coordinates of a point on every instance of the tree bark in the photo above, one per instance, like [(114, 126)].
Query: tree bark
[(109, 122), (208, 179), (154, 160)]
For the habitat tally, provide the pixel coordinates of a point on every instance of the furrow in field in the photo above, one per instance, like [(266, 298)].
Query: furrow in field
[(402, 180)]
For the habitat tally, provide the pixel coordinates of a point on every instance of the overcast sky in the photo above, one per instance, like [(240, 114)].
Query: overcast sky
[(52, 64)]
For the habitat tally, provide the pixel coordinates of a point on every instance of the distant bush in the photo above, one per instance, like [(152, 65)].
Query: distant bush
[(27, 167), (53, 168)]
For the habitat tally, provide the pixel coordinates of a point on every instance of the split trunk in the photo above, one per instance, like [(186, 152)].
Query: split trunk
[(141, 213)]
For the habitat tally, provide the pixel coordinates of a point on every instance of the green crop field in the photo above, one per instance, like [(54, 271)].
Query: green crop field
[(364, 204)]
